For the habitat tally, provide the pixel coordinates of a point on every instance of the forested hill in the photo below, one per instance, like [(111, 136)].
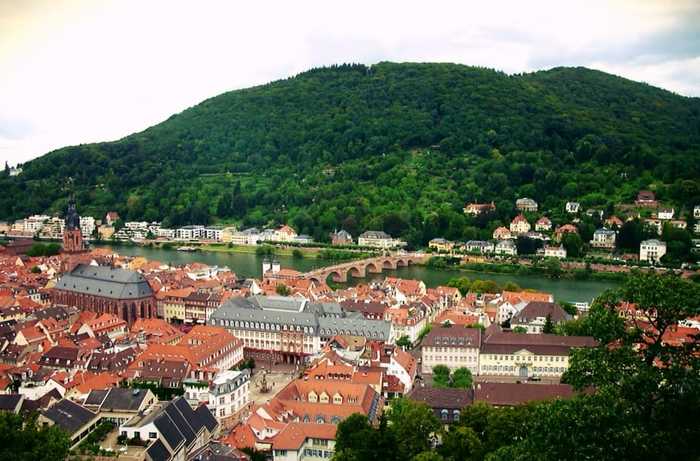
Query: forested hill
[(393, 146)]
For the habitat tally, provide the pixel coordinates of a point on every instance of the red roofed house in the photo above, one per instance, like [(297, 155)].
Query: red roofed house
[(647, 199), (206, 349), (299, 441), (285, 234), (519, 225), (543, 224), (502, 233), (105, 324), (475, 209), (565, 229)]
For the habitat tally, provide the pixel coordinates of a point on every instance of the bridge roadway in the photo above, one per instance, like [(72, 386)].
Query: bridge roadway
[(361, 268)]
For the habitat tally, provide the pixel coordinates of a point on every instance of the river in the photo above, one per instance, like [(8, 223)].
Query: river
[(250, 265)]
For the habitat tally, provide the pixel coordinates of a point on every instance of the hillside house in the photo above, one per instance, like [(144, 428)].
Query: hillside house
[(652, 250), (604, 238), (526, 204)]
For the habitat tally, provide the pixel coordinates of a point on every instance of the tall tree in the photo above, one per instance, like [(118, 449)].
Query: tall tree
[(24, 441), (414, 426)]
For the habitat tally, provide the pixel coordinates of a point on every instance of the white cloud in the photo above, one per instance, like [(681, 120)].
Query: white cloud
[(84, 71)]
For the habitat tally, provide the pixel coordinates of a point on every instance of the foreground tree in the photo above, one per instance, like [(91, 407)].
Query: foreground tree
[(357, 440), (414, 426), (24, 441), (646, 380)]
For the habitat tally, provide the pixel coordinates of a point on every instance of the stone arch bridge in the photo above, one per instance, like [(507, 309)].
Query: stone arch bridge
[(360, 268)]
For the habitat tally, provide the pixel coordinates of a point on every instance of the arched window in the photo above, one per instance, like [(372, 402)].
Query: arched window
[(444, 414)]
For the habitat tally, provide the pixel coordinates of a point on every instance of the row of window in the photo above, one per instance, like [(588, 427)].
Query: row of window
[(312, 452), (320, 419), (512, 368), (264, 326), (445, 414), (451, 349), (451, 358), (535, 358)]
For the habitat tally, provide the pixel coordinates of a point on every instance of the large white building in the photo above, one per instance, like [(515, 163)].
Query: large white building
[(225, 396), (379, 239), (604, 238), (652, 250), (33, 224), (289, 329), (87, 226), (526, 204), (521, 355), (454, 347), (249, 236), (506, 247), (229, 393), (554, 251)]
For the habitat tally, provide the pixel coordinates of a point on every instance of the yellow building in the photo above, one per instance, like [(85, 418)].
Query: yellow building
[(172, 304), (525, 355), (441, 245)]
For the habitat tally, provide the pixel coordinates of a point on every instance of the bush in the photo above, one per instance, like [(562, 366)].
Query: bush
[(265, 250), (40, 249)]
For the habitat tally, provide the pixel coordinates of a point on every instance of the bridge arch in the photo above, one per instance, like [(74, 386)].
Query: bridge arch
[(337, 275), (356, 271), (374, 267)]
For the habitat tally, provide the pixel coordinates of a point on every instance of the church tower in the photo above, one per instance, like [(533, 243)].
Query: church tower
[(72, 236)]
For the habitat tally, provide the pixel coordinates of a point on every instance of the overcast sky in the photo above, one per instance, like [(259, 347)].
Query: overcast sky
[(81, 71)]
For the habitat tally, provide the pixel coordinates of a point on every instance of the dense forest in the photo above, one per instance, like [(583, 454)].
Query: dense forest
[(398, 147)]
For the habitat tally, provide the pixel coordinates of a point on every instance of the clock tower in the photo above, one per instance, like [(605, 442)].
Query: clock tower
[(72, 236)]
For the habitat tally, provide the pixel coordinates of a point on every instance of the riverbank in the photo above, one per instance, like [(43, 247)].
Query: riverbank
[(550, 268), (272, 250)]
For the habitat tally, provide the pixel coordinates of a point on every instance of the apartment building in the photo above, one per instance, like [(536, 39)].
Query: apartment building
[(288, 329), (454, 346)]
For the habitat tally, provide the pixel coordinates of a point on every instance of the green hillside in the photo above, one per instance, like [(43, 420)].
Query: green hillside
[(394, 146)]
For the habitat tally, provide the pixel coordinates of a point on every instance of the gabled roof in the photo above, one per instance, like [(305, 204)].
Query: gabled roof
[(10, 402), (454, 336), (535, 309), (106, 282), (123, 399), (69, 416), (206, 417), (447, 398), (512, 394), (294, 434), (158, 452), (179, 423), (96, 397)]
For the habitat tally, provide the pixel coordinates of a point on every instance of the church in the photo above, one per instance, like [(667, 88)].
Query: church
[(100, 289), (105, 289)]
